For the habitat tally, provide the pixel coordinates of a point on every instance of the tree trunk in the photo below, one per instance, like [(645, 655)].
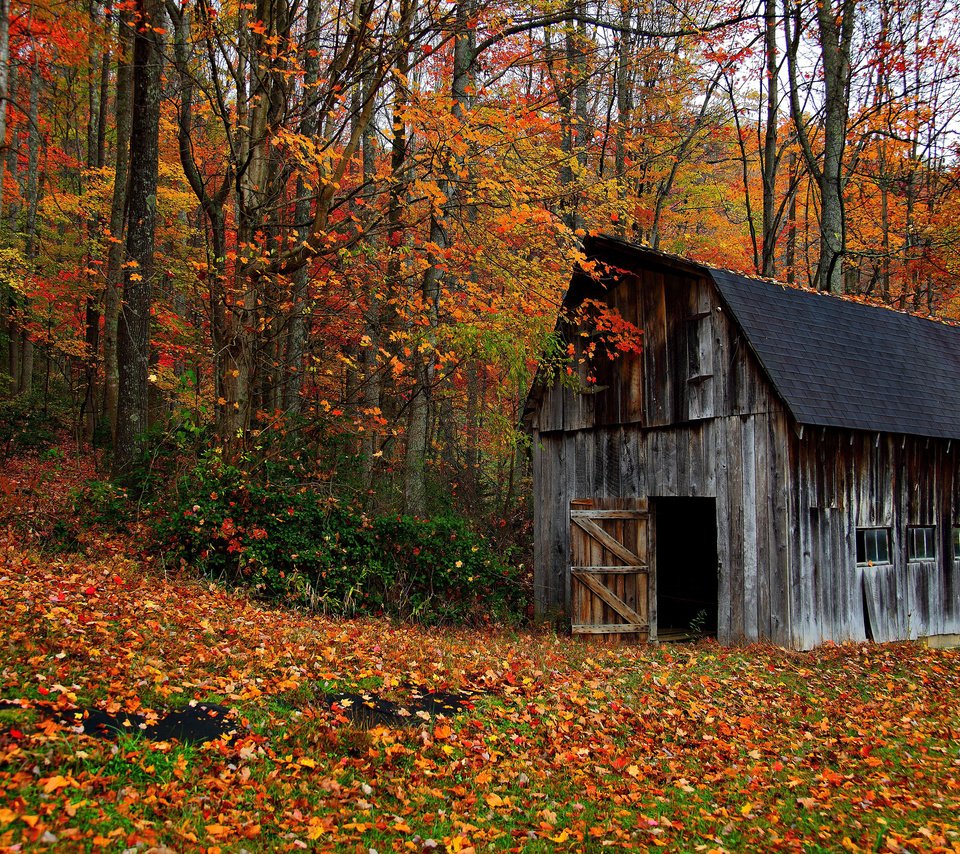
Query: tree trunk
[(12, 208), (25, 383), (770, 159), (297, 336), (835, 26), (370, 349), (95, 155), (123, 117), (624, 115), (5, 92), (572, 100), (133, 343), (424, 355), (790, 251), (104, 100)]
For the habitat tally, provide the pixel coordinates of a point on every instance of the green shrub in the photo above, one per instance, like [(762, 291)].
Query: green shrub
[(287, 542), (101, 502), (26, 425), (163, 453)]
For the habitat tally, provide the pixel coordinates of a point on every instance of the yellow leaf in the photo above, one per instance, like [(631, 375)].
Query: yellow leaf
[(51, 784), (136, 277), (746, 809), (217, 829), (563, 837), (494, 800), (633, 771), (6, 816), (307, 762)]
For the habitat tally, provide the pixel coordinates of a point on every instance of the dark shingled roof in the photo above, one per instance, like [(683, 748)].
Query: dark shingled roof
[(839, 363), (844, 364)]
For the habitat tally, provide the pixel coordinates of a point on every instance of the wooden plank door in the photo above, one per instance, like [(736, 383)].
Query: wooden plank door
[(610, 579)]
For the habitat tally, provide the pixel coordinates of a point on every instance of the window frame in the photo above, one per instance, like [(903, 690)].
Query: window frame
[(868, 535), (929, 540)]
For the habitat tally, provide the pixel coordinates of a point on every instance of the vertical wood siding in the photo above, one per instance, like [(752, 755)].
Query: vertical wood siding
[(851, 480), (694, 416)]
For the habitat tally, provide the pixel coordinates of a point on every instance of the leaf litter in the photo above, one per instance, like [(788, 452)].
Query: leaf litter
[(524, 741)]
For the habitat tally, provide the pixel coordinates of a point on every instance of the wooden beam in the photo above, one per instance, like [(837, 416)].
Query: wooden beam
[(608, 629), (608, 514), (618, 605), (613, 570), (608, 542)]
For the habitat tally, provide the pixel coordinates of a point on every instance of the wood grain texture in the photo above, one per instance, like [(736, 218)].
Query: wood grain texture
[(695, 416)]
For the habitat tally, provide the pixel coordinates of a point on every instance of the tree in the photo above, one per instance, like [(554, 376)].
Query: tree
[(123, 116), (835, 31), (133, 339)]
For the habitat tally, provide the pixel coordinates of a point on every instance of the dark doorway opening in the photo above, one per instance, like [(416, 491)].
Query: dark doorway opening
[(687, 582)]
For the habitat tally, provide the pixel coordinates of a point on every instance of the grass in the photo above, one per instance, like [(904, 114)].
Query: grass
[(567, 746), (753, 749)]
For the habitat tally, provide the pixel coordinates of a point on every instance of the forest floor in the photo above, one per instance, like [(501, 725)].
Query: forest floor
[(563, 747)]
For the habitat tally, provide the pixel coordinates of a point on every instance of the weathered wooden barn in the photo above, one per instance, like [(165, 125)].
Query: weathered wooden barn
[(774, 464)]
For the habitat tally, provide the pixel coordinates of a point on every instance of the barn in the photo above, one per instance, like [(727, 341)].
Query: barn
[(773, 464)]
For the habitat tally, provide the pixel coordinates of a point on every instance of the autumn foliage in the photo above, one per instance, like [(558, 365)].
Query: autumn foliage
[(361, 233), (564, 747)]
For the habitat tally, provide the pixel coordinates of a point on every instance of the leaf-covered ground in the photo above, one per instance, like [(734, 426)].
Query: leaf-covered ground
[(568, 747)]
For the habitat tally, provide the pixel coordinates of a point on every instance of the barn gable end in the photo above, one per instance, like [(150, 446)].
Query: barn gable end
[(717, 419)]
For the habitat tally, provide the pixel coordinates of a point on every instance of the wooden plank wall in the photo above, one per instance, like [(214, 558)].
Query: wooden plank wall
[(755, 509), (788, 501), (672, 381), (626, 462), (848, 480), (677, 447), (610, 462)]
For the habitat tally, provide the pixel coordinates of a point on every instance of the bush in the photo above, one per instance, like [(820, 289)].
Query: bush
[(164, 453), (25, 425), (101, 502), (286, 542)]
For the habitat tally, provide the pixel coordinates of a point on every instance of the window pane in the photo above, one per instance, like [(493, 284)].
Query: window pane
[(873, 545), (921, 543), (882, 541)]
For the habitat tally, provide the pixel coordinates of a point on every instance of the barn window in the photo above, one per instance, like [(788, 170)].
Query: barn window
[(873, 545), (921, 543)]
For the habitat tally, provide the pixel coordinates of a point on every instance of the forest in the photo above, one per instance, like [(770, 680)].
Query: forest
[(286, 270), (339, 232)]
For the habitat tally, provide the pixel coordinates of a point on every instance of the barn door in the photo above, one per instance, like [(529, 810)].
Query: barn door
[(609, 569)]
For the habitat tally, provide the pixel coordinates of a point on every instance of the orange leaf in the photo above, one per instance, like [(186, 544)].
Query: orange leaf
[(52, 784)]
